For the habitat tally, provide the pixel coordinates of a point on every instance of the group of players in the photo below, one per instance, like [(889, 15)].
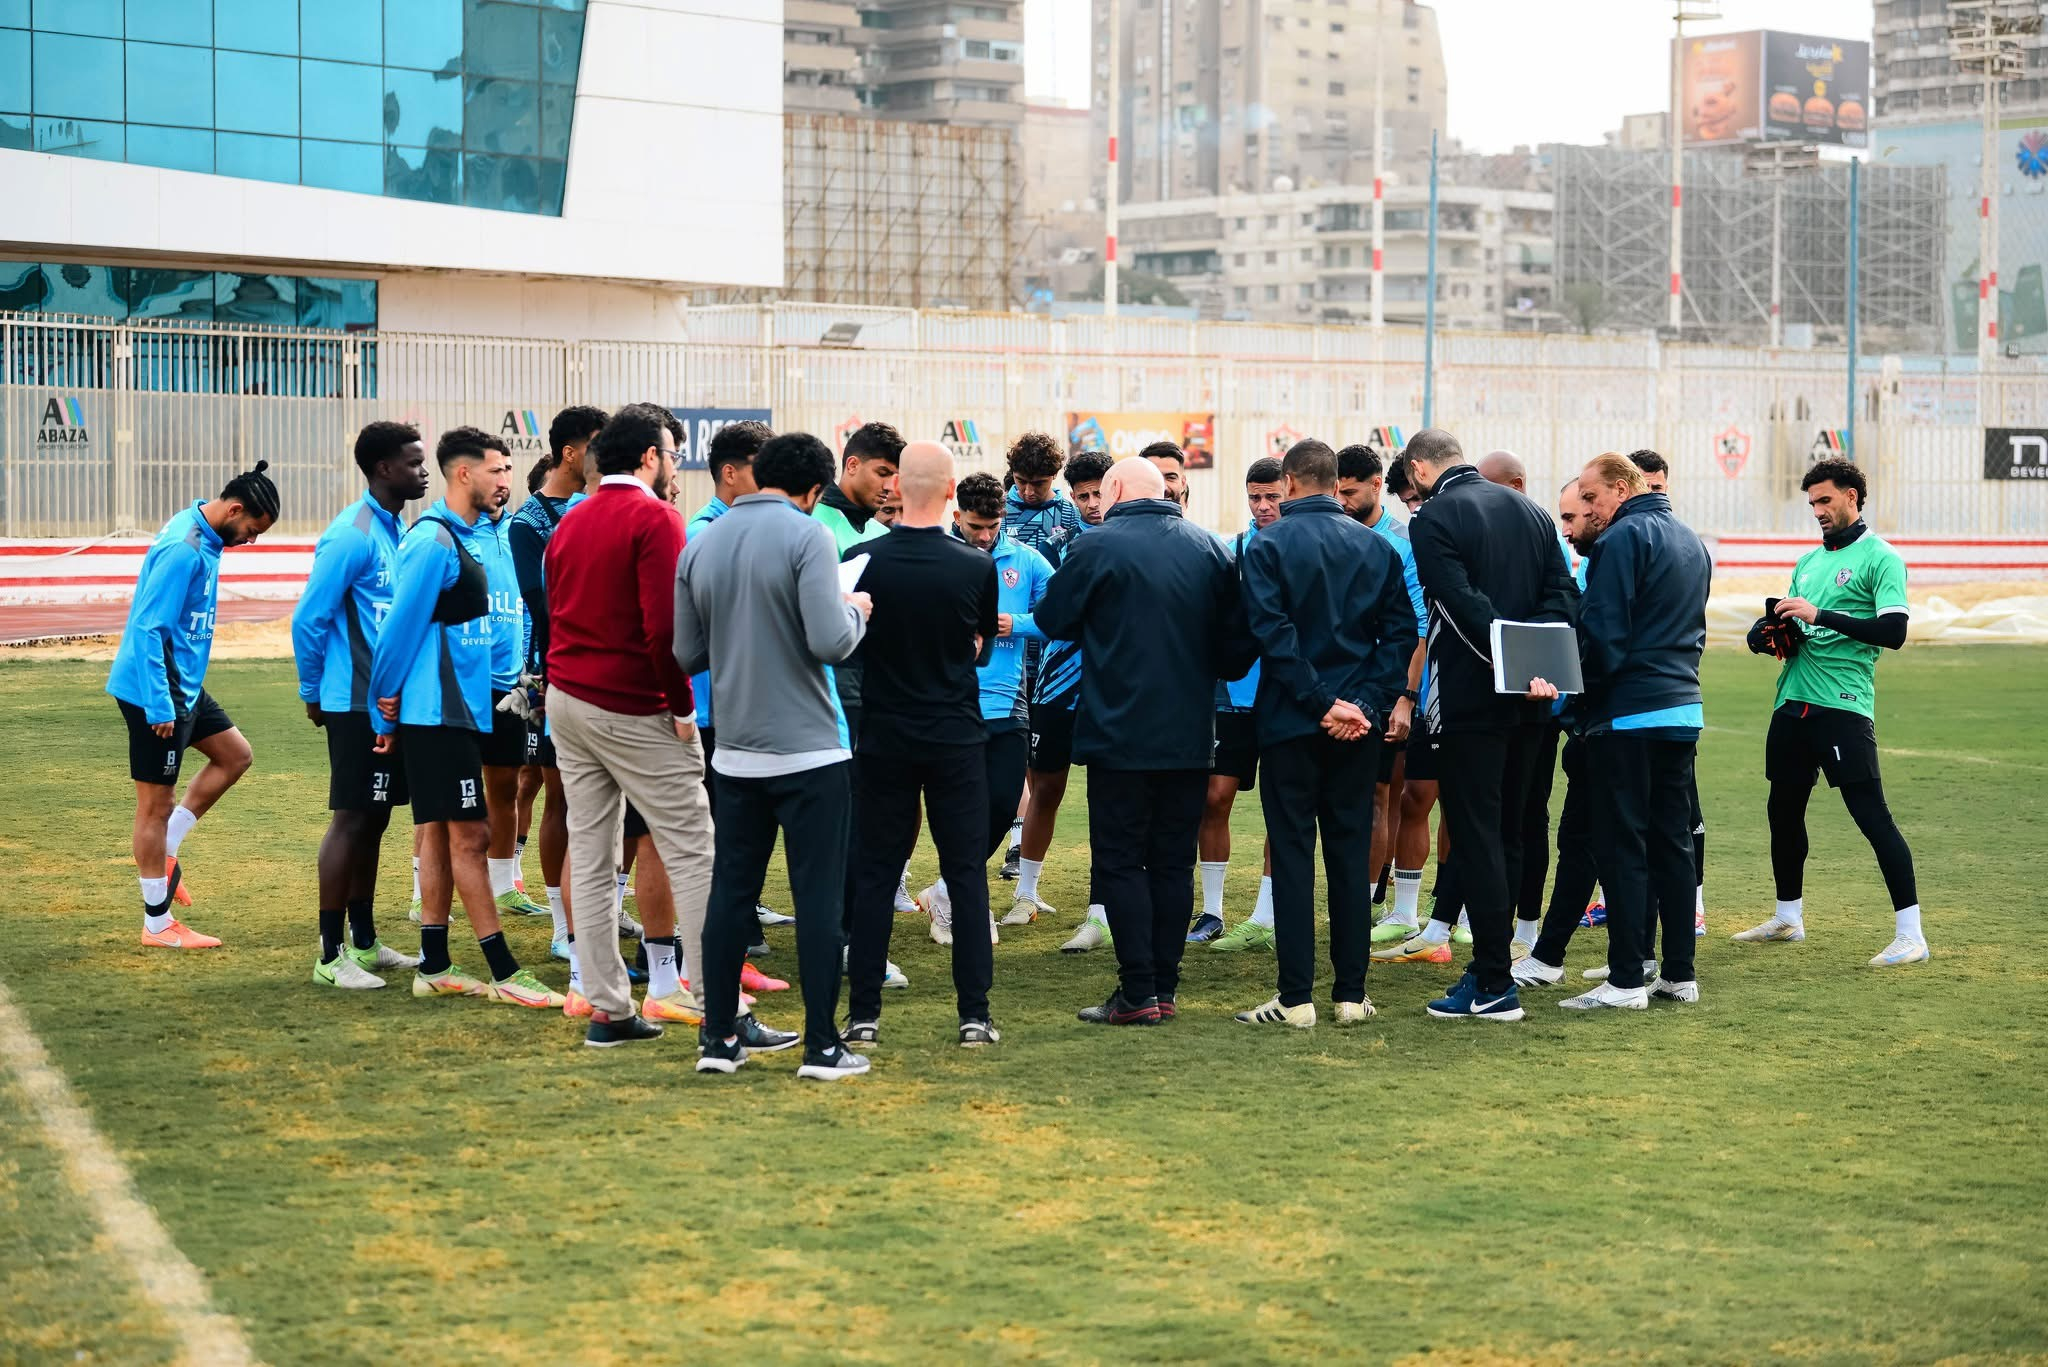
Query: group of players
[(441, 629)]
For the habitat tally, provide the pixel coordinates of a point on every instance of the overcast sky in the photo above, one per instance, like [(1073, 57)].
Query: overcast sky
[(1521, 71)]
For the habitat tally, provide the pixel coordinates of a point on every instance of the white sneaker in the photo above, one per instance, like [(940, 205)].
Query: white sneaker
[(628, 927), (388, 958), (995, 937), (936, 903), (1773, 929), (1351, 1013), (1092, 935), (1599, 974), (906, 905), (1518, 951), (892, 976), (412, 913), (1904, 950), (772, 918), (1627, 998), (1675, 992), (345, 972), (1532, 972), (1271, 1012), (1025, 910)]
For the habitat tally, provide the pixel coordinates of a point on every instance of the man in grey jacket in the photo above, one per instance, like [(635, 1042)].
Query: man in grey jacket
[(758, 602)]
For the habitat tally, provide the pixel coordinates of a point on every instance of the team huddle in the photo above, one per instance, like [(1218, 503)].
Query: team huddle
[(844, 651)]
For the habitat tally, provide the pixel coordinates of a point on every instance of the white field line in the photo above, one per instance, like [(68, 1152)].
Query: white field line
[(102, 1181)]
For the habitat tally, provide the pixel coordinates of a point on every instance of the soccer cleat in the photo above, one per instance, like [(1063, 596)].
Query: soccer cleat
[(1415, 951), (1243, 936), (449, 982), (1351, 1013), (936, 903), (1024, 911), (609, 1033), (177, 935), (628, 927), (1903, 950), (380, 955), (768, 917), (1773, 929), (976, 1034), (832, 1065), (759, 951), (753, 979), (1599, 973), (412, 913), (517, 903), (1168, 1008), (1533, 972), (906, 905), (1271, 1012), (1120, 1011), (760, 1039), (1010, 862), (180, 894), (1093, 934), (1608, 995), (559, 949), (716, 1056), (1699, 920), (862, 1032), (679, 1007), (343, 971), (575, 1005), (1205, 929), (1391, 929), (523, 989), (892, 976), (1461, 934), (1675, 992), (1595, 914)]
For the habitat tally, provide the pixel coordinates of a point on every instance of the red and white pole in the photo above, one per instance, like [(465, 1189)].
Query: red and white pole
[(1110, 179)]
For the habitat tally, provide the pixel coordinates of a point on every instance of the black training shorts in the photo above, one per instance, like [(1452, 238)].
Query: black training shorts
[(1237, 749), (636, 824), (155, 759), (1803, 738), (1422, 758), (444, 767), (540, 747), (504, 746), (359, 779), (1390, 756), (1052, 738)]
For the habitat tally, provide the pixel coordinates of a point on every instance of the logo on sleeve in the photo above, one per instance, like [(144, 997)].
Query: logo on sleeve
[(1842, 577)]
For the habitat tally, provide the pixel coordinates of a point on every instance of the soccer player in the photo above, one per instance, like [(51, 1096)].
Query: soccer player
[(532, 527), (430, 674), (1236, 766), (1021, 576), (1173, 468), (158, 680), (334, 631), (1054, 692), (1847, 604)]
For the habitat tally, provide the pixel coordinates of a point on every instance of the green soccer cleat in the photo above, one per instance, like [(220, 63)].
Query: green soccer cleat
[(1242, 936), (1390, 929), (513, 902), (380, 956), (449, 982), (344, 972)]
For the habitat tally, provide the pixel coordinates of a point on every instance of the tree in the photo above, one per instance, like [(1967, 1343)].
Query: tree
[(1136, 287), (1585, 303)]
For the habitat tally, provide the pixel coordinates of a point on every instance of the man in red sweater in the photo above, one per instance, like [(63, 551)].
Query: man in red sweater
[(624, 721)]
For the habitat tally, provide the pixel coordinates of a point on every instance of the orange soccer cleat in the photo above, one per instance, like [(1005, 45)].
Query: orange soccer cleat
[(177, 935)]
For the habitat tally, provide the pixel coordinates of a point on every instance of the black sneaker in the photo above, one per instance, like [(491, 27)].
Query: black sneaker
[(1010, 869), (975, 1034), (606, 1033), (1167, 1009), (830, 1065), (862, 1032), (1118, 1011), (760, 1039), (716, 1056)]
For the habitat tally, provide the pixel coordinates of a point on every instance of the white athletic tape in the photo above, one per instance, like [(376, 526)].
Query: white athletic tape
[(102, 1181)]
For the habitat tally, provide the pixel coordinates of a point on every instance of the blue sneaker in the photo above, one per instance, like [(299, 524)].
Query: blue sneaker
[(1206, 928), (1457, 1003), (1506, 1007), (1596, 915), (559, 949)]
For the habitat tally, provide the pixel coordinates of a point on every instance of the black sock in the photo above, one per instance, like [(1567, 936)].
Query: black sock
[(498, 955), (330, 934), (361, 924), (433, 949)]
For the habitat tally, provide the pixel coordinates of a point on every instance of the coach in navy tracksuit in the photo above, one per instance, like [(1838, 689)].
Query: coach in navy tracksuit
[(1642, 626), (1327, 601), (1153, 601)]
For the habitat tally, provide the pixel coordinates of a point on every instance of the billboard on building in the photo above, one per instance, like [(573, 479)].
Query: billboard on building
[(1763, 84), (1126, 434), (700, 425)]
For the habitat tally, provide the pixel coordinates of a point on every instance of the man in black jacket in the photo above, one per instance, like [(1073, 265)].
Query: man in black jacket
[(1484, 553), (1642, 626), (1327, 603), (1153, 601)]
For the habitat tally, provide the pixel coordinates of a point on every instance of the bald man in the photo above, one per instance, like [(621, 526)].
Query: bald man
[(1153, 601), (922, 736), (1504, 468)]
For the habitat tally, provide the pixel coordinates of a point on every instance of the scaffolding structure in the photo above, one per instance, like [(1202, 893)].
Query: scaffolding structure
[(1613, 218)]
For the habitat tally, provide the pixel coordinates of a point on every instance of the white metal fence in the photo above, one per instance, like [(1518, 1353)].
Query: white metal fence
[(108, 427)]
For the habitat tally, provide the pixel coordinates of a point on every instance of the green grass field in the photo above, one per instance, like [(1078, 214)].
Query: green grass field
[(1818, 1161)]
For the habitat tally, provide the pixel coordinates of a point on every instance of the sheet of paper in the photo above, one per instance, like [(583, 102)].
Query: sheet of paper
[(850, 572)]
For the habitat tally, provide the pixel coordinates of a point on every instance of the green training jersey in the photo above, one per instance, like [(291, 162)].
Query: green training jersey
[(1866, 578)]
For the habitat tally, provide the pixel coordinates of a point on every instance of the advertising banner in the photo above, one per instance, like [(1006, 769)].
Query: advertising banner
[(1722, 84), (2016, 453), (1126, 434), (1816, 89), (701, 424)]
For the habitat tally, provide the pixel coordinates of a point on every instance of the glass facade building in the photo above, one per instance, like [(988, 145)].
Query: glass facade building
[(453, 101), (136, 293)]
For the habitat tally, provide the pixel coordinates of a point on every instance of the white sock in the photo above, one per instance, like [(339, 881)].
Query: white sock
[(1262, 910), (559, 910), (1027, 878), (1016, 834), (175, 829), (1212, 887), (1525, 932), (503, 871), (156, 925), (625, 881), (1791, 912), (939, 889), (1909, 922), (155, 891), (1099, 914), (1464, 921), (1699, 901), (415, 878), (1436, 933), (575, 969), (1407, 895), (662, 974)]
